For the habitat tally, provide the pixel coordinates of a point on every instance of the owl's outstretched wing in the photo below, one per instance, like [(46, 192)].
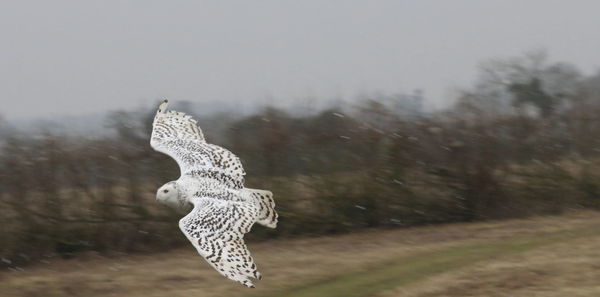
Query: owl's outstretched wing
[(178, 135), (216, 229)]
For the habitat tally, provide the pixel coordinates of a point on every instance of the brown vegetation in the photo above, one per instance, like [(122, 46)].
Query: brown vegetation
[(383, 162), (293, 265)]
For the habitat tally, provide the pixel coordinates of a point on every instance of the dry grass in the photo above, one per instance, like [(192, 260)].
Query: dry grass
[(291, 264), (565, 269)]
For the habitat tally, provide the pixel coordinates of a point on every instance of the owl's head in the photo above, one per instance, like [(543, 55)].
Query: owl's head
[(170, 194)]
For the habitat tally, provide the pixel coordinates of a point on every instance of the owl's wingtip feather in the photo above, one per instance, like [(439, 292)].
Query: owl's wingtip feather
[(163, 106)]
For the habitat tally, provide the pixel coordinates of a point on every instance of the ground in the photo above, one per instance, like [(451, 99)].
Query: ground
[(542, 256)]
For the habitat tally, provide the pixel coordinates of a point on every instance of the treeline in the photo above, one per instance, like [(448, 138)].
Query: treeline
[(522, 141)]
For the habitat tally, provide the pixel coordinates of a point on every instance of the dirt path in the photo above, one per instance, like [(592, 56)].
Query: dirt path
[(413, 268), (425, 261)]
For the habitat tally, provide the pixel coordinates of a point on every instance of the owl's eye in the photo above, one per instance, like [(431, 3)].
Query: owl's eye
[(165, 191)]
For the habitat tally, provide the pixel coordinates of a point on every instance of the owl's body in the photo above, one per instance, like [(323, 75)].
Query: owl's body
[(211, 188)]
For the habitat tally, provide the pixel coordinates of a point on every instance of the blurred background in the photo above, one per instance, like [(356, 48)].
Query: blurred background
[(445, 138)]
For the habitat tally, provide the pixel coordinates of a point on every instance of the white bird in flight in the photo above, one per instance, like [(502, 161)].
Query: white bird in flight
[(211, 187)]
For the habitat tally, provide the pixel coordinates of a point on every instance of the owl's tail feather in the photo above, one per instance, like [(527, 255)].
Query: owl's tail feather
[(264, 200)]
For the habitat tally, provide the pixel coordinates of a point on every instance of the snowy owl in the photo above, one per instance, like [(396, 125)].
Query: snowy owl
[(211, 188)]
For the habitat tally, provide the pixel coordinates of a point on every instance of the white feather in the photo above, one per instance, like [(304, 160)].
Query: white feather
[(212, 180)]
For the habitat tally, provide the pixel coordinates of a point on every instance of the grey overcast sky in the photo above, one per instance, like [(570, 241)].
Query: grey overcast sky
[(79, 57)]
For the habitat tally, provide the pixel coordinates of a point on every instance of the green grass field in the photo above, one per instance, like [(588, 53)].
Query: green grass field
[(544, 256), (409, 269)]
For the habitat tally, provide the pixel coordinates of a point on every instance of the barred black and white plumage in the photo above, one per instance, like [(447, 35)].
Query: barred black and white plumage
[(211, 187)]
